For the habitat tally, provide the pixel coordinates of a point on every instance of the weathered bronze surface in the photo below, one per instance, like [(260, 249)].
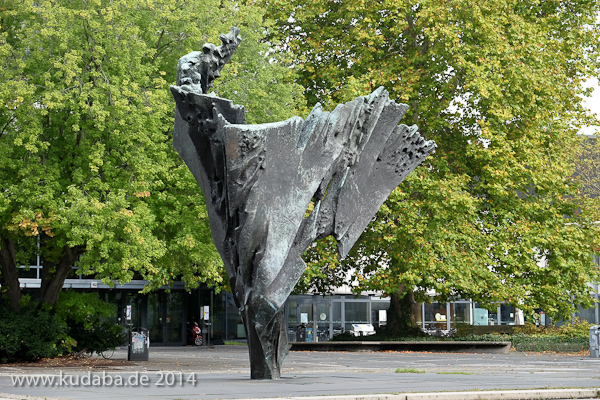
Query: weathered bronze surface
[(259, 181)]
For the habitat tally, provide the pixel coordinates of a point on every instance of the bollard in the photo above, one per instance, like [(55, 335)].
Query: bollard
[(594, 342)]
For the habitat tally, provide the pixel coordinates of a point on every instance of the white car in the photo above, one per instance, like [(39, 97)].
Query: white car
[(362, 330)]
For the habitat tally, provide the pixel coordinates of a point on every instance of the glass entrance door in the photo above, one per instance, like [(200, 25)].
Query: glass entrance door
[(174, 317), (155, 317), (323, 322), (165, 318)]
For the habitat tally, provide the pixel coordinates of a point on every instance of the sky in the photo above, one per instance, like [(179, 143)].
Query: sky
[(593, 103)]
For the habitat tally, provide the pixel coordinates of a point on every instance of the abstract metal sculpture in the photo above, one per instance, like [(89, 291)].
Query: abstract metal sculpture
[(259, 180)]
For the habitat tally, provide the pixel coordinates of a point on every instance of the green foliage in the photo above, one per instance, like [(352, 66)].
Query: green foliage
[(235, 343), (549, 342), (90, 320), (324, 273), (409, 371), (578, 328), (103, 336), (552, 341), (495, 214), (529, 329), (85, 309), (255, 77), (538, 342), (463, 329), (86, 120), (30, 334), (78, 321), (571, 337)]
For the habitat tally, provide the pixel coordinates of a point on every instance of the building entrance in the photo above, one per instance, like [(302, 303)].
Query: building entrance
[(165, 318), (160, 312)]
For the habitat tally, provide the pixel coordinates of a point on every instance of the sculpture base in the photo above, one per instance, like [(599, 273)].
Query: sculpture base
[(267, 345)]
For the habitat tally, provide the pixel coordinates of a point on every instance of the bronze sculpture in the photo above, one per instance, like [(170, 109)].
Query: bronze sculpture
[(258, 182)]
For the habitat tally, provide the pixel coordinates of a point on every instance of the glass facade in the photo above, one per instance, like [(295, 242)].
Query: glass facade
[(379, 312), (434, 316), (507, 314), (168, 315), (356, 312), (319, 318), (312, 318), (155, 318), (174, 317), (462, 313), (336, 319)]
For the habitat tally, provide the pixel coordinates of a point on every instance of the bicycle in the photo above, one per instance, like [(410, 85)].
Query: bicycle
[(106, 354)]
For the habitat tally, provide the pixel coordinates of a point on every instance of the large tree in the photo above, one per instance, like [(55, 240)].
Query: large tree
[(87, 169), (495, 214)]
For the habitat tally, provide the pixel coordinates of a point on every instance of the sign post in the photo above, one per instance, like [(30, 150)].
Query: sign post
[(206, 319)]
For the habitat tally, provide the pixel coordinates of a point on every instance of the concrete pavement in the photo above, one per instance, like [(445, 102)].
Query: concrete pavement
[(222, 372)]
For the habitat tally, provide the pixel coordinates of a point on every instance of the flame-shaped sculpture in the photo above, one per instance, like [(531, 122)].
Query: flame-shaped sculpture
[(258, 182)]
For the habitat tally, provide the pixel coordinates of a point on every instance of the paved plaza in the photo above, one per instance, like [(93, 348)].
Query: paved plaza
[(223, 372)]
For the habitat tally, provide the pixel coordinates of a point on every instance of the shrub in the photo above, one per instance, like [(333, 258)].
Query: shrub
[(548, 342), (528, 329), (463, 329), (90, 321), (572, 337), (578, 328), (79, 321), (30, 334)]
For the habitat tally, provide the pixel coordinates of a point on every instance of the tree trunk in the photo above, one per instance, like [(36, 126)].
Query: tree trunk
[(52, 282), (401, 315), (10, 277)]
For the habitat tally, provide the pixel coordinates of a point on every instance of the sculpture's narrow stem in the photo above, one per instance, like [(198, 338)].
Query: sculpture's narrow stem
[(267, 345)]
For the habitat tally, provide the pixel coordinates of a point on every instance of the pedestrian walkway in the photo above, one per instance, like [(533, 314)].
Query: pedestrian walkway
[(223, 372)]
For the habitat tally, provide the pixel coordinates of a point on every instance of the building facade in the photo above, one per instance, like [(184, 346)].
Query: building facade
[(168, 313)]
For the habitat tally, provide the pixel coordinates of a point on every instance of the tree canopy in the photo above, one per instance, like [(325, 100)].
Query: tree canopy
[(495, 214), (87, 167)]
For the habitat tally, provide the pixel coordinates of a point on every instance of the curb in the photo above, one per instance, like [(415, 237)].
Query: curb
[(536, 394), (448, 346), (6, 396)]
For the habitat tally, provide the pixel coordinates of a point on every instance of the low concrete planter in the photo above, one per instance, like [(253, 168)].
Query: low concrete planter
[(441, 346)]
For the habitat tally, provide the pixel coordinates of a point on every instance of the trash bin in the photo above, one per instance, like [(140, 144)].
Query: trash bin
[(594, 341), (206, 332), (139, 343), (301, 333)]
